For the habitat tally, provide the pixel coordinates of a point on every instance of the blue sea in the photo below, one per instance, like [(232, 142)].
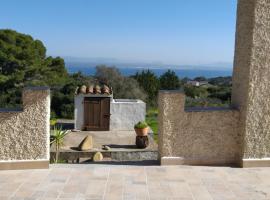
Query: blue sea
[(190, 73)]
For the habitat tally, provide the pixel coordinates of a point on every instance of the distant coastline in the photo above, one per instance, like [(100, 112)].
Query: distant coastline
[(128, 71)]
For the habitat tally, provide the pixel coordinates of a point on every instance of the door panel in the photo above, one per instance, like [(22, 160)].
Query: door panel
[(105, 113), (96, 114)]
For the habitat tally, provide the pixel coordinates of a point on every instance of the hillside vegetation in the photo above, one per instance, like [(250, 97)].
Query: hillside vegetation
[(23, 62)]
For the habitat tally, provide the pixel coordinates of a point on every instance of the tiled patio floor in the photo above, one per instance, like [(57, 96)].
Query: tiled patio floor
[(135, 182)]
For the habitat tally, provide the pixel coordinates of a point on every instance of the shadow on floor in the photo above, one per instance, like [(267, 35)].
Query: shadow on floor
[(75, 148), (132, 163), (65, 125), (122, 146)]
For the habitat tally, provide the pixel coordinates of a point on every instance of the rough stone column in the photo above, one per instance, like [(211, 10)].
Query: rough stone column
[(251, 80), (25, 133), (36, 113), (170, 104)]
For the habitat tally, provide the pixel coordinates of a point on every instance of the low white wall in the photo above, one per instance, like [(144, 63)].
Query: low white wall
[(78, 112), (126, 113)]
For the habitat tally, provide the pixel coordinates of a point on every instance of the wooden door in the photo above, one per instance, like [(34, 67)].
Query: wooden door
[(96, 114), (105, 114)]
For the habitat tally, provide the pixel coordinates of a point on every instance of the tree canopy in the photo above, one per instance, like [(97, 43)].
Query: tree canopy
[(169, 81), (123, 87), (150, 84), (23, 62)]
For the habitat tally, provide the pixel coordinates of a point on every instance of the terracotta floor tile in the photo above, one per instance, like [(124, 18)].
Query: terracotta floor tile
[(85, 181)]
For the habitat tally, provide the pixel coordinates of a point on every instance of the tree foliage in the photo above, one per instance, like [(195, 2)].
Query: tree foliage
[(214, 95), (23, 62), (169, 81), (123, 87), (220, 92), (200, 78), (195, 92), (221, 81), (150, 84)]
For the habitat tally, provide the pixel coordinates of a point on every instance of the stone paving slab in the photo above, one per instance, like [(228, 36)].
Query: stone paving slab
[(93, 181)]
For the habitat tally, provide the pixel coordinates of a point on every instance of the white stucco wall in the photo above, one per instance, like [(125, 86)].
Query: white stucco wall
[(78, 112), (124, 112)]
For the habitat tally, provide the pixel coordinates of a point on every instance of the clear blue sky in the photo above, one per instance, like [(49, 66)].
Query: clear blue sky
[(167, 31)]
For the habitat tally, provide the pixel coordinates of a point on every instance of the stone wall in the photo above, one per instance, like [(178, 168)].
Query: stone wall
[(251, 78), (231, 136), (196, 136), (24, 133)]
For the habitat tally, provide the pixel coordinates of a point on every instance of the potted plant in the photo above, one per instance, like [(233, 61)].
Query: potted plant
[(141, 128)]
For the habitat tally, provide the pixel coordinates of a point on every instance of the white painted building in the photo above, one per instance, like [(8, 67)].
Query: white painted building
[(197, 83), (100, 112)]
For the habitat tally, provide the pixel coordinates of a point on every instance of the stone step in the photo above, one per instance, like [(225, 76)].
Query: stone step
[(133, 155)]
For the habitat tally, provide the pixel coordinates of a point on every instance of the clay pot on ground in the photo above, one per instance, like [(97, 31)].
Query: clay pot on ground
[(141, 131)]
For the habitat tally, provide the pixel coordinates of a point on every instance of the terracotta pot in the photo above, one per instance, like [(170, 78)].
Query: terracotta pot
[(141, 131), (97, 89), (105, 89), (90, 89), (83, 89)]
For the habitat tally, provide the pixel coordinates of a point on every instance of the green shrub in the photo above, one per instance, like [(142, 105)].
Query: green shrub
[(141, 125), (152, 121), (53, 122), (57, 137)]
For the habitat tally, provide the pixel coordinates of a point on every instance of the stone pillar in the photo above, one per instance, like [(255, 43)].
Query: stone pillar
[(170, 104), (251, 80), (25, 133)]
